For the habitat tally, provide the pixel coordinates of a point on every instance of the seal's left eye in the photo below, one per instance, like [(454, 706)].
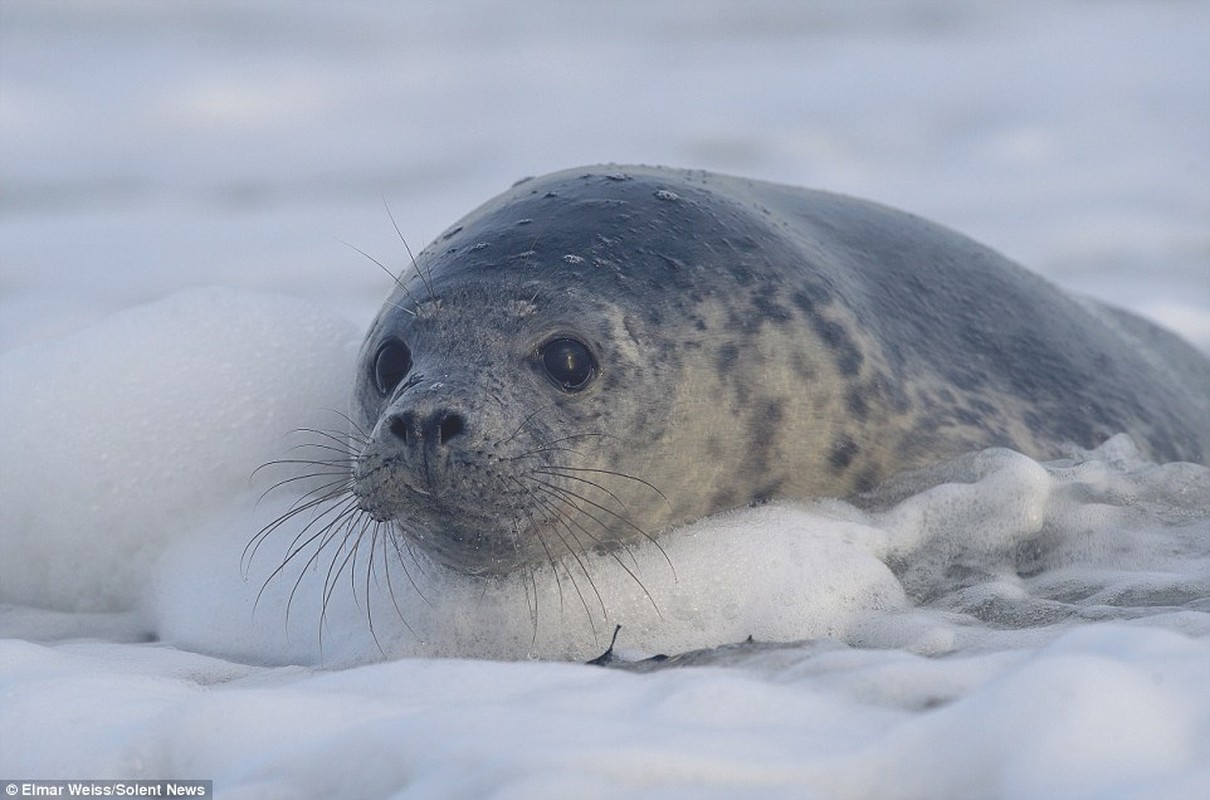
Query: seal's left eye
[(568, 363), (392, 363)]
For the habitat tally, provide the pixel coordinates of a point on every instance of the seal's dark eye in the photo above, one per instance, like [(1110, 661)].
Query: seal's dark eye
[(392, 363), (568, 363)]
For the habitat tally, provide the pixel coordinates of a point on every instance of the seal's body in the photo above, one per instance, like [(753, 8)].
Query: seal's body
[(602, 353)]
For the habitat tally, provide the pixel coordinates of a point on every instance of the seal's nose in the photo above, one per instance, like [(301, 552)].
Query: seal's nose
[(438, 427)]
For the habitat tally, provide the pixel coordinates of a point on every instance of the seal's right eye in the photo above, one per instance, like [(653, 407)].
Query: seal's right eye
[(391, 364), (569, 363)]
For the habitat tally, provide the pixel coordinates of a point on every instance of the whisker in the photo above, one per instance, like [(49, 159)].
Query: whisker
[(568, 492), (330, 526), (333, 573), (575, 554), (324, 535), (392, 275), (368, 579), (340, 515), (548, 448), (254, 544), (570, 502), (342, 450), (338, 479), (341, 524), (341, 437), (287, 462), (632, 573), (624, 520), (520, 427), (612, 473), (531, 583), (354, 428), (307, 501), (593, 484), (415, 265), (536, 531), (379, 536)]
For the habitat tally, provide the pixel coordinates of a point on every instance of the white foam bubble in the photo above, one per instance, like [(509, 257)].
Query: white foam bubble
[(133, 433), (993, 549)]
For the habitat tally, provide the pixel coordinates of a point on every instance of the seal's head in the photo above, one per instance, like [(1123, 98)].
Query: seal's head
[(544, 379), (505, 388), (496, 407)]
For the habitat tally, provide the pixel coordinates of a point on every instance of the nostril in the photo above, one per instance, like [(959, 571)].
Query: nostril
[(438, 428), (400, 424), (451, 425)]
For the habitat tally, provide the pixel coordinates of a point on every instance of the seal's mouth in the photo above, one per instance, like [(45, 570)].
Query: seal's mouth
[(466, 548), (416, 489), (389, 490), (455, 527)]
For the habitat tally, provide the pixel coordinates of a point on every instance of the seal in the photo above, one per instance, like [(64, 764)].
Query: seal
[(603, 353)]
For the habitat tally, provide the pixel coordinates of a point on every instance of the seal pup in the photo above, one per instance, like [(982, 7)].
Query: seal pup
[(600, 354)]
